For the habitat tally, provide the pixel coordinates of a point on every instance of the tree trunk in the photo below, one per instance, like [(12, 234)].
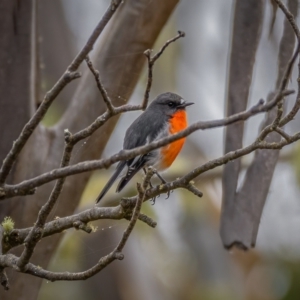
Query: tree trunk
[(248, 18)]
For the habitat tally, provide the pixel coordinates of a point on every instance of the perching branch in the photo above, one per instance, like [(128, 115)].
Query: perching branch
[(28, 185), (60, 224), (183, 181)]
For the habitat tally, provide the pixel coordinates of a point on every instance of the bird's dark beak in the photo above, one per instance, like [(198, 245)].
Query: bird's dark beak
[(184, 105)]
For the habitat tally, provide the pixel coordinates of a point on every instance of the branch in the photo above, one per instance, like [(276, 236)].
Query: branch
[(151, 62), (185, 180), (36, 232), (291, 115), (100, 86), (27, 185), (143, 194), (86, 132), (190, 187), (100, 121), (18, 236), (140, 199), (290, 17), (12, 261)]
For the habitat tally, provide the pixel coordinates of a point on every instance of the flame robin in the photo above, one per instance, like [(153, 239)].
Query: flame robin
[(165, 116)]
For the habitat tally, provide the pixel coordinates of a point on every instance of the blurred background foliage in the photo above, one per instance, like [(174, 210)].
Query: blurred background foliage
[(182, 258)]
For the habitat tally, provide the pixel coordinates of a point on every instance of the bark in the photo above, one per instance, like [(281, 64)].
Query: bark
[(248, 18), (55, 31), (15, 69), (240, 223), (119, 58), (254, 192)]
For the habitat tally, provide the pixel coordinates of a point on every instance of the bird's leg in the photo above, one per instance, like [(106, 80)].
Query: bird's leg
[(164, 182), (160, 177)]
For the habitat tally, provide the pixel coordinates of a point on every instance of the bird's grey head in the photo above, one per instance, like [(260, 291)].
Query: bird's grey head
[(169, 103)]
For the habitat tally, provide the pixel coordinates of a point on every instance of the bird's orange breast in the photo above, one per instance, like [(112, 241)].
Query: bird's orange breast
[(177, 123)]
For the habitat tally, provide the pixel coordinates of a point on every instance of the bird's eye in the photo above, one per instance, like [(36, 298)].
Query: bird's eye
[(171, 104)]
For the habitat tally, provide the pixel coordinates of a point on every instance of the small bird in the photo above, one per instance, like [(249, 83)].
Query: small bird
[(165, 116)]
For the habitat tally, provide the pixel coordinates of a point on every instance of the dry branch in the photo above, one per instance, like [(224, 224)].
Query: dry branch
[(151, 62), (22, 264), (100, 86), (28, 185)]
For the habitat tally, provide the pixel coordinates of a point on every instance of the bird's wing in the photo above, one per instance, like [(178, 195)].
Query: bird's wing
[(143, 130)]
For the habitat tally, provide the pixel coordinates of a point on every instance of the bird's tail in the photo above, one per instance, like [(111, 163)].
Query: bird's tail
[(110, 182)]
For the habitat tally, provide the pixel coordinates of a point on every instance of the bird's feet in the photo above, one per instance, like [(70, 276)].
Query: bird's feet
[(168, 194), (163, 181)]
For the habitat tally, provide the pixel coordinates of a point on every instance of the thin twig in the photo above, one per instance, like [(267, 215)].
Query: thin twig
[(283, 85), (36, 232), (290, 17), (100, 121), (151, 62), (291, 115), (100, 86), (140, 199), (278, 121), (190, 187), (282, 133)]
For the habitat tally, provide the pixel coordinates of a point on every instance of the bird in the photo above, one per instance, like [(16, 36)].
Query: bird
[(165, 116)]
